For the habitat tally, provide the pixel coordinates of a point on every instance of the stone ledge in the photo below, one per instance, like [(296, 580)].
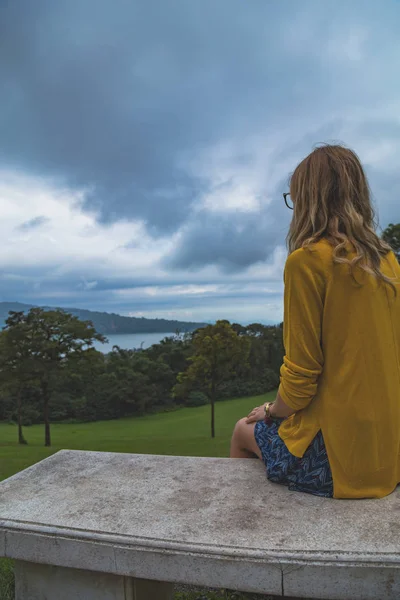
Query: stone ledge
[(202, 521)]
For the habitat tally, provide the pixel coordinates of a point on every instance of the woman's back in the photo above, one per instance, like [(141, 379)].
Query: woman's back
[(334, 428), (357, 403)]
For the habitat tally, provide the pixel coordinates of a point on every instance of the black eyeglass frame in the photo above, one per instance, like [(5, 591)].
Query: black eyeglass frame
[(285, 195)]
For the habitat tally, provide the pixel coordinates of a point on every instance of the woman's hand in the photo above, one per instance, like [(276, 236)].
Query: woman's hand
[(257, 414), (277, 410)]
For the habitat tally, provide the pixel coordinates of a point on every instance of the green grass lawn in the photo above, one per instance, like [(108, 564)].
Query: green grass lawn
[(183, 432)]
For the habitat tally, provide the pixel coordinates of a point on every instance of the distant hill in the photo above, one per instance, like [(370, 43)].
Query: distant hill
[(108, 323)]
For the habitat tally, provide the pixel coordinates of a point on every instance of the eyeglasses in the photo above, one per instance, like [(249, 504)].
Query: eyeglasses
[(288, 203)]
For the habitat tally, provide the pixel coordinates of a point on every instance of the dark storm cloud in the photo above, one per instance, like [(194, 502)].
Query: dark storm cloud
[(112, 96), (16, 283), (121, 98), (232, 242), (41, 288)]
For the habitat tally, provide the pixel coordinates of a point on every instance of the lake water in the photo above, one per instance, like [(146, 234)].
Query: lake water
[(128, 341)]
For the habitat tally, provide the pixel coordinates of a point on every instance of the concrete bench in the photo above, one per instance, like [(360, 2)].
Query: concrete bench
[(104, 526)]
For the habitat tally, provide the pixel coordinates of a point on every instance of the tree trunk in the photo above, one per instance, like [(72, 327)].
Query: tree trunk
[(45, 392), (212, 410), (47, 440), (21, 439)]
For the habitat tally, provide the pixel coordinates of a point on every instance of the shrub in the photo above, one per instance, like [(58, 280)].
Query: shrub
[(30, 415), (238, 388), (196, 398)]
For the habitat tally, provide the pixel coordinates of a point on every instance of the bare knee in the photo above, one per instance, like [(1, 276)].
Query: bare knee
[(241, 425), (239, 428), (243, 441)]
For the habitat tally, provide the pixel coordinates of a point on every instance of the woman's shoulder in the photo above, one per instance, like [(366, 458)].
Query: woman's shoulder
[(316, 256)]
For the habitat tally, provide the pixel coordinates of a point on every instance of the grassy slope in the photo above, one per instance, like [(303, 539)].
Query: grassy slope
[(182, 432)]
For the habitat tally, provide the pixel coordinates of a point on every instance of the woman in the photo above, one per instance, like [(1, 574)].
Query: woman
[(334, 428)]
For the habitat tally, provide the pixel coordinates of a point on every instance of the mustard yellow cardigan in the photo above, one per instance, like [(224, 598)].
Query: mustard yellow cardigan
[(341, 370)]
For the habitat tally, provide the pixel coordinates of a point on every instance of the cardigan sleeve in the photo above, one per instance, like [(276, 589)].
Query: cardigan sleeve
[(305, 283)]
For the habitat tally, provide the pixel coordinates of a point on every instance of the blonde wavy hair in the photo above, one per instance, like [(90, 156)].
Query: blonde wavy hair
[(332, 200)]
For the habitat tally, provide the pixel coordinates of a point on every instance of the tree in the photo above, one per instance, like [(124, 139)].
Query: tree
[(391, 235), (81, 392), (218, 354), (49, 339), (88, 385), (17, 376), (14, 369)]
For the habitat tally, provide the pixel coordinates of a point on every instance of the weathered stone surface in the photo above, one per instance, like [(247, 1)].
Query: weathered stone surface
[(2, 542), (346, 582), (204, 521)]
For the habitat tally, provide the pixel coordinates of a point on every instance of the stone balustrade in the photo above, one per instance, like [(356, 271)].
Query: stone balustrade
[(105, 526)]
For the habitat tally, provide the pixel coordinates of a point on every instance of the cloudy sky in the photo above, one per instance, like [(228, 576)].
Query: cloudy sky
[(145, 144)]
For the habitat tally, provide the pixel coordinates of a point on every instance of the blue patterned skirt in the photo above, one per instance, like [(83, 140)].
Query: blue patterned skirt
[(311, 473)]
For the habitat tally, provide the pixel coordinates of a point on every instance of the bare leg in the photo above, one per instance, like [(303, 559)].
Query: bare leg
[(243, 443)]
